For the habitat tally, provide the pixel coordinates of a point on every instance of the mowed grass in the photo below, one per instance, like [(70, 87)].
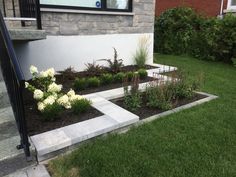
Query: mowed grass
[(198, 142)]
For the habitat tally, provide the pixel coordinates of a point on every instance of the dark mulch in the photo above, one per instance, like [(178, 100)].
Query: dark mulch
[(36, 125), (146, 111)]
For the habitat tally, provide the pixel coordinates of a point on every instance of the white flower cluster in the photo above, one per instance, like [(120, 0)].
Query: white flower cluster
[(48, 73), (54, 88), (52, 94)]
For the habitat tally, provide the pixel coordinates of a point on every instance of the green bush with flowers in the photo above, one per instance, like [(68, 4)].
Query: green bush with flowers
[(51, 100)]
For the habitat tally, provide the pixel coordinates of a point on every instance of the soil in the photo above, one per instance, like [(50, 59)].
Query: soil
[(36, 124), (146, 111)]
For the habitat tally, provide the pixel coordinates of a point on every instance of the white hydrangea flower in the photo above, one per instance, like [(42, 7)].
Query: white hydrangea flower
[(26, 84), (38, 94), (41, 106), (68, 105), (43, 74), (64, 101), (75, 98), (33, 69), (71, 93), (50, 72), (49, 100), (53, 79), (54, 88)]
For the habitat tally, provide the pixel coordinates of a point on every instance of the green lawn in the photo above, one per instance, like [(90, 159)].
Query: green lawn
[(199, 142)]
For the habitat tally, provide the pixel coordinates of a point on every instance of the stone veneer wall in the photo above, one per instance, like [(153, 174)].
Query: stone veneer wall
[(64, 23)]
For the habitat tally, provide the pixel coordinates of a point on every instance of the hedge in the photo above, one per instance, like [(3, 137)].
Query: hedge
[(182, 31)]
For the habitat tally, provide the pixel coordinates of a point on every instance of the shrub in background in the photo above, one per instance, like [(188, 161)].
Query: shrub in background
[(173, 30), (142, 73), (80, 106), (130, 75), (115, 64), (142, 53), (93, 82), (106, 78), (119, 77), (181, 31), (80, 83), (94, 69)]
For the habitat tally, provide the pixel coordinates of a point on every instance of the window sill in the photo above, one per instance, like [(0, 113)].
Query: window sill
[(230, 11), (86, 12)]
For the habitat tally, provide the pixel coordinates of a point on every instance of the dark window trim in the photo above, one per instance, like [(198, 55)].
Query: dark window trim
[(103, 7)]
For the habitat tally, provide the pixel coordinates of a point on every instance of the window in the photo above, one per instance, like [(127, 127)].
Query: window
[(231, 4), (103, 5)]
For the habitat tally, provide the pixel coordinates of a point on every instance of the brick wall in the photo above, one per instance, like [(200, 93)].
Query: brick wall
[(59, 23), (205, 7)]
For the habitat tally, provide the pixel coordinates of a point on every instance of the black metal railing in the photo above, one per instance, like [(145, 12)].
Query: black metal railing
[(24, 10), (15, 83)]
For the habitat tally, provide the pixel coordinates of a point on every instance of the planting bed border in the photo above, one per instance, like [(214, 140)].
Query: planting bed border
[(115, 118)]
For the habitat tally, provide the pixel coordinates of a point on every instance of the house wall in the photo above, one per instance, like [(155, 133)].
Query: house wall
[(64, 23), (76, 38), (208, 8)]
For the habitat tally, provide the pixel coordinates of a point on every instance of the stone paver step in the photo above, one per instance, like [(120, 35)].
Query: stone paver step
[(8, 130), (6, 115), (8, 148), (34, 171)]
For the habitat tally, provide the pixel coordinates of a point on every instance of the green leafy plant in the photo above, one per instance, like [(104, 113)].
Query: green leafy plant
[(94, 69), (80, 106), (119, 77), (158, 97), (106, 78), (142, 73), (80, 83), (51, 112), (132, 98), (130, 75), (93, 82), (142, 53), (182, 31), (115, 64)]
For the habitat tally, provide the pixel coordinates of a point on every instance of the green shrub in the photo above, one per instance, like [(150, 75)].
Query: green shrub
[(93, 82), (225, 49), (174, 29), (106, 78), (133, 98), (51, 112), (130, 75), (119, 77), (142, 53), (80, 83), (158, 97), (142, 73), (80, 106), (115, 64), (94, 69), (181, 31)]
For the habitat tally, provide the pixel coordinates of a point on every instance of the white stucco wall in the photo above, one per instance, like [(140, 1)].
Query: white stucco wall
[(61, 52)]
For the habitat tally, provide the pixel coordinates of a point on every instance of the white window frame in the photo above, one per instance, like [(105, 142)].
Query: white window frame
[(230, 6)]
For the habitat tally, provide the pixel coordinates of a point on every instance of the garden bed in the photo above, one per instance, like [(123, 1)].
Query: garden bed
[(36, 124), (146, 111), (69, 83), (68, 79)]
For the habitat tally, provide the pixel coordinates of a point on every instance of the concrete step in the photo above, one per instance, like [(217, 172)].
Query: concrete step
[(16, 163), (4, 99)]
